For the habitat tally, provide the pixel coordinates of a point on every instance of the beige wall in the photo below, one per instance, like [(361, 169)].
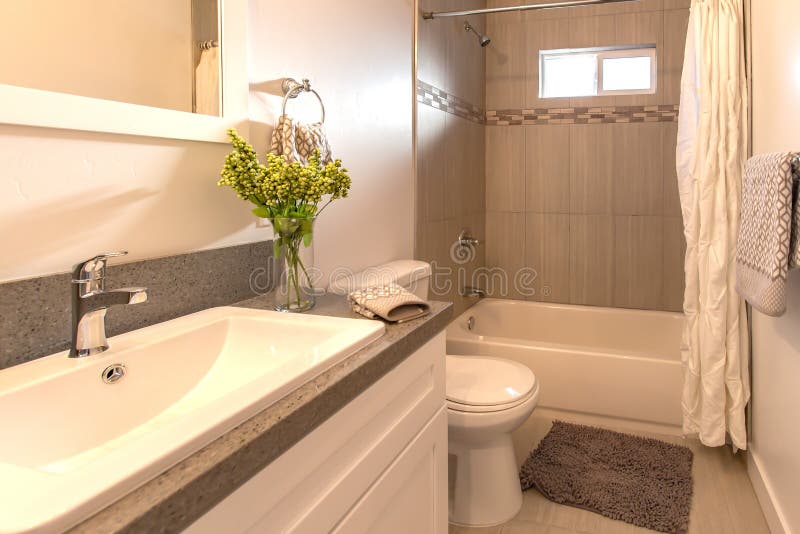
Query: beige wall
[(360, 59), (66, 195), (775, 432), (593, 208), (450, 149), (135, 51)]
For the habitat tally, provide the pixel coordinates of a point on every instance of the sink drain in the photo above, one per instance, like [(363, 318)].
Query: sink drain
[(113, 373)]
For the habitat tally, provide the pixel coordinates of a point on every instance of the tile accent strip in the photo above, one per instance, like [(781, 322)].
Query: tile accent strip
[(437, 98), (583, 115), (36, 311)]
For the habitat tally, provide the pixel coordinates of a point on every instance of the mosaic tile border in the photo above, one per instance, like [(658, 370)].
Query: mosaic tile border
[(583, 115), (436, 98)]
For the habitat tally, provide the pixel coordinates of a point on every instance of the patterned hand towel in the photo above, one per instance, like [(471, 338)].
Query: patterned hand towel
[(297, 141), (390, 302), (768, 232)]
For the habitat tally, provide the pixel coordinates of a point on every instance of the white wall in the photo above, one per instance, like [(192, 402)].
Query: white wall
[(135, 51), (775, 439), (66, 195), (359, 56)]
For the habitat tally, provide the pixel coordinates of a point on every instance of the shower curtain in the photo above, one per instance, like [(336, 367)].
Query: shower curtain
[(712, 144)]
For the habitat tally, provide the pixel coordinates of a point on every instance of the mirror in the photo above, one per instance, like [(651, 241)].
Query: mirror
[(127, 60), (156, 53)]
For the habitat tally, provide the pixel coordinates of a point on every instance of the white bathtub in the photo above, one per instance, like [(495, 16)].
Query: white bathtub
[(606, 362)]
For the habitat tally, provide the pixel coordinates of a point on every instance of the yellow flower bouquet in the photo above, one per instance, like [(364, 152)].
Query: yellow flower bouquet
[(291, 196)]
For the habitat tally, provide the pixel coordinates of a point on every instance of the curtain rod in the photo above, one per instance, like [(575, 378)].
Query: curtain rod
[(573, 3)]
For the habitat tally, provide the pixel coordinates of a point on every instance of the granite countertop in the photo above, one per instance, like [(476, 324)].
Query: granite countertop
[(177, 497)]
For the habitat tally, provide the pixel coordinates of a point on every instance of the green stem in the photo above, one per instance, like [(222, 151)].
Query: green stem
[(323, 207), (293, 269), (290, 245), (288, 280), (293, 278), (305, 273)]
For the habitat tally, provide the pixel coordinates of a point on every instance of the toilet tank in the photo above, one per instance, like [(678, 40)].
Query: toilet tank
[(411, 274)]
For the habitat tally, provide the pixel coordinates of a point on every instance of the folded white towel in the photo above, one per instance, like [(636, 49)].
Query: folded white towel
[(768, 232), (390, 302), (297, 141)]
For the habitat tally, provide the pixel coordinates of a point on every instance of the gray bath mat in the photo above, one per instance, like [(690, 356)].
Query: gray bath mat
[(642, 481)]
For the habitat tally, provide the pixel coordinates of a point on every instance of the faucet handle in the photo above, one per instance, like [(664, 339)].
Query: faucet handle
[(466, 240), (93, 270)]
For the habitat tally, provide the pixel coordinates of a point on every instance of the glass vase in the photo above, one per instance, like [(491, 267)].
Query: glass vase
[(294, 257)]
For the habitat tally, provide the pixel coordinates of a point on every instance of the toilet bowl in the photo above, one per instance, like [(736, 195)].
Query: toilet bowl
[(487, 399)]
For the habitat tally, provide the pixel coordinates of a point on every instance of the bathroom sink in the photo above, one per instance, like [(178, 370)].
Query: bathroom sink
[(80, 433)]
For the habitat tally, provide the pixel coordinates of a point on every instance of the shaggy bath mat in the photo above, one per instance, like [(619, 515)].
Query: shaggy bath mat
[(642, 481)]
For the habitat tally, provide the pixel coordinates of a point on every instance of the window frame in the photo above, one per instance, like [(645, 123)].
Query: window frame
[(601, 53)]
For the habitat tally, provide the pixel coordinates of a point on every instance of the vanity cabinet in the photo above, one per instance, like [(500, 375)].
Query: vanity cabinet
[(379, 465)]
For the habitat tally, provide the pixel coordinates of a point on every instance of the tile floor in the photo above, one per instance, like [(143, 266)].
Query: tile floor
[(723, 501)]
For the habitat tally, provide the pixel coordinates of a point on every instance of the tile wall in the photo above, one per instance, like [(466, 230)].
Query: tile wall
[(450, 129), (591, 205)]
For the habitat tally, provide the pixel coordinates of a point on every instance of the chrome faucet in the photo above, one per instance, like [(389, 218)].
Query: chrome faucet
[(90, 301)]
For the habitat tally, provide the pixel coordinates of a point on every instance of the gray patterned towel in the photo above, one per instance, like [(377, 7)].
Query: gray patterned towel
[(390, 302), (768, 232), (298, 141)]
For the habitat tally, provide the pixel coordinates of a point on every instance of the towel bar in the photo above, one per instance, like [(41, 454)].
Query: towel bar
[(292, 88)]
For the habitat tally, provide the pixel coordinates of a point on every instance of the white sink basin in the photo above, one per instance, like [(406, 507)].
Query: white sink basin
[(73, 444)]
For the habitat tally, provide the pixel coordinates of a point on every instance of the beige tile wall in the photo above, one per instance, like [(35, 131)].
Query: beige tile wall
[(447, 56), (451, 183), (594, 209)]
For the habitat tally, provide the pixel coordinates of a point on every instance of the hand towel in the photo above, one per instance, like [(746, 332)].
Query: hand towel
[(206, 89), (768, 233), (297, 141), (390, 302)]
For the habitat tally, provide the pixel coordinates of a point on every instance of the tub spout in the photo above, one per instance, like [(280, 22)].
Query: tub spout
[(472, 292)]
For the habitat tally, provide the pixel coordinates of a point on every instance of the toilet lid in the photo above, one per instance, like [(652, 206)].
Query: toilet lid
[(486, 381)]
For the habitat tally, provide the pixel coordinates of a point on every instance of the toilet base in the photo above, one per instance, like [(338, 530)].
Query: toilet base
[(486, 490)]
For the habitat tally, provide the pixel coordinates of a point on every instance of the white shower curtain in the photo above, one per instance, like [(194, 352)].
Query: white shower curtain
[(712, 144)]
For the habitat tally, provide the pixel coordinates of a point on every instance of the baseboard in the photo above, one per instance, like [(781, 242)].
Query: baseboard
[(772, 513)]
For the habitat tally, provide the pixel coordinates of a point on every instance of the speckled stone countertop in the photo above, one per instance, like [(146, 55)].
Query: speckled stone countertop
[(180, 495)]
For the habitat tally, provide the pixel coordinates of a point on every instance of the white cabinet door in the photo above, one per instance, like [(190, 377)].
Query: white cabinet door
[(315, 484), (411, 495)]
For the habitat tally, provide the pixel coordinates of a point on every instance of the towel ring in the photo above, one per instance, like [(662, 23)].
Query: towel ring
[(292, 88)]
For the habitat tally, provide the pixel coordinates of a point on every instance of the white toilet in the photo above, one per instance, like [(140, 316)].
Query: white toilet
[(487, 399)]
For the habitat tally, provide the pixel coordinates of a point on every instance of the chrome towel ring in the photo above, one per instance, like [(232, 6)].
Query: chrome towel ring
[(292, 88)]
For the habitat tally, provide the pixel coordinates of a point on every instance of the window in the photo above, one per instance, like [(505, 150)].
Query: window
[(597, 71)]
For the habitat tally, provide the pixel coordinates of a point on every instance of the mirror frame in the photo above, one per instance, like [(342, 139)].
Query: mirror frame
[(50, 109)]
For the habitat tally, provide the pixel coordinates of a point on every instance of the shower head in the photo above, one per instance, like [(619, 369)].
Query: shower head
[(482, 39)]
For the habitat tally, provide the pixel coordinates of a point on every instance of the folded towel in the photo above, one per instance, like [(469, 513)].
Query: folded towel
[(390, 302), (768, 232), (298, 141)]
